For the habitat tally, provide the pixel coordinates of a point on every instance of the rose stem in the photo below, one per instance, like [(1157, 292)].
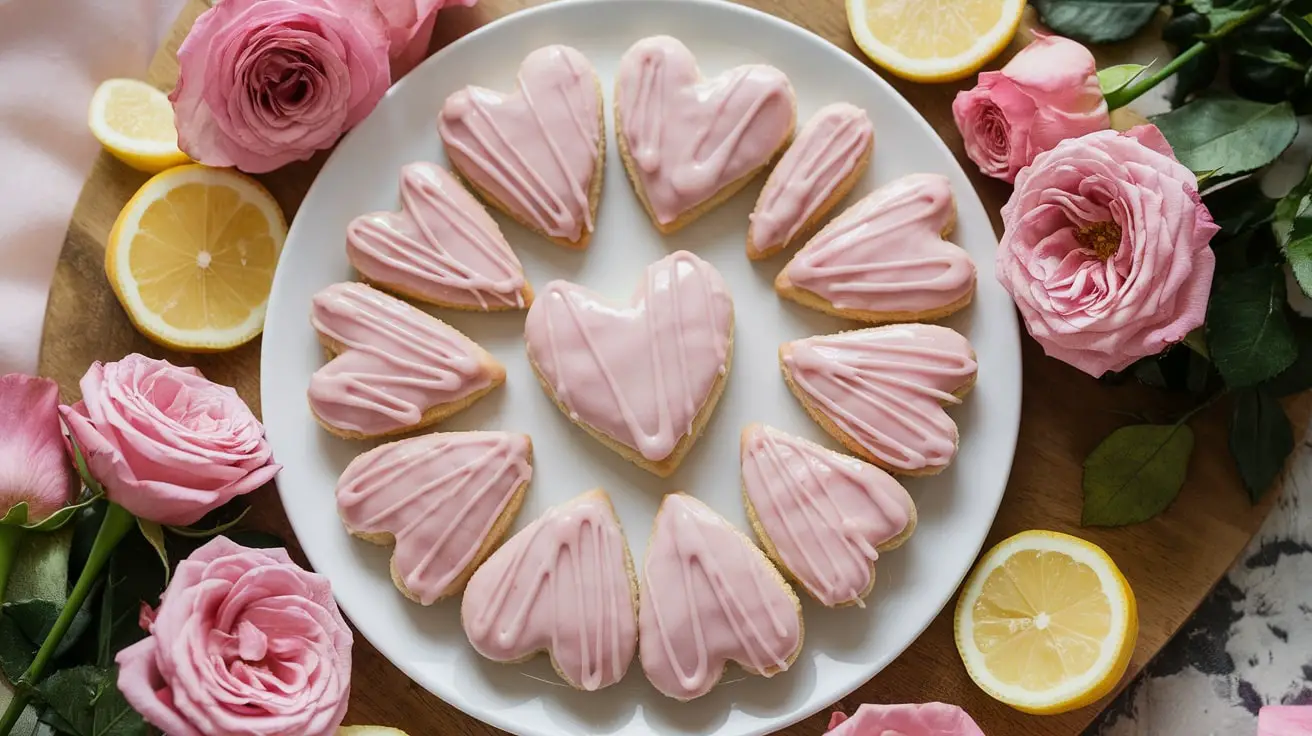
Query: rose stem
[(10, 536), (118, 521), (1131, 92)]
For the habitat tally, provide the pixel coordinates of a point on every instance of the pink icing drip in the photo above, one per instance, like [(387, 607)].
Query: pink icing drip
[(438, 495), (442, 246), (923, 719), (398, 361), (640, 373), (886, 386), (886, 253), (691, 137), (562, 585), (709, 596), (536, 149), (825, 153), (825, 513)]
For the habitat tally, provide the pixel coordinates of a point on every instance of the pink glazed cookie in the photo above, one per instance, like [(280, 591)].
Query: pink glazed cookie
[(538, 153), (881, 391), (444, 499), (641, 378), (690, 143), (710, 596), (564, 585)]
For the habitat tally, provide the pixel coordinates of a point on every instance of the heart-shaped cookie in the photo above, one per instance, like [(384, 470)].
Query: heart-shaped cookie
[(395, 368), (643, 378), (536, 154), (564, 585), (688, 143), (444, 499), (881, 391), (822, 516), (709, 596), (884, 259), (819, 168), (441, 248)]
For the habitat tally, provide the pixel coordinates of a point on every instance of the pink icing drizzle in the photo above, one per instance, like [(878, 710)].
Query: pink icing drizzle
[(825, 513), (438, 495), (689, 137), (826, 151), (639, 373), (536, 149), (885, 387), (886, 252), (710, 596), (442, 246), (562, 585), (923, 719), (398, 361)]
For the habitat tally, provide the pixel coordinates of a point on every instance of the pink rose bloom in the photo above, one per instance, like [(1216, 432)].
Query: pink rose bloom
[(262, 83), (1048, 92), (1284, 720), (410, 29), (168, 444), (923, 719), (33, 465), (244, 643), (1105, 249)]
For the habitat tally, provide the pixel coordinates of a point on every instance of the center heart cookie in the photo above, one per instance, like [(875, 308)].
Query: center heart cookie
[(710, 596), (881, 391), (643, 378), (445, 499), (536, 154), (396, 368), (688, 143), (441, 248), (564, 585)]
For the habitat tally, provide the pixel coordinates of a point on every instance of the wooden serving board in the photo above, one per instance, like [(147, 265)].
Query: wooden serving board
[(1171, 561)]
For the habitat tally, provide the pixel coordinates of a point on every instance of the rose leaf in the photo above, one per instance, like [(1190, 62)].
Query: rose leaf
[(1097, 21), (1116, 78), (1298, 376), (1247, 331), (85, 701), (1261, 438), (1240, 207), (1228, 135), (154, 533), (1135, 473), (133, 577), (1293, 226)]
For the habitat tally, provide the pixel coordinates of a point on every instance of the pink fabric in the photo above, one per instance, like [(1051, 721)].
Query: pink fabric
[(1285, 720), (53, 53)]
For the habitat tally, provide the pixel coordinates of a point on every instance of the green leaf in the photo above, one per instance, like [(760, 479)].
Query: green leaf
[(1135, 473), (1239, 207), (132, 577), (1195, 75), (257, 539), (1227, 134), (1115, 78), (216, 522), (154, 533), (1247, 332), (25, 624), (87, 702), (1097, 21), (1261, 438), (1298, 376), (1293, 226), (1271, 55), (1301, 24)]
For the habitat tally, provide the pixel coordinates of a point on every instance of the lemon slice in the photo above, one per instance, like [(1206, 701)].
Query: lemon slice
[(933, 40), (1046, 623), (191, 257), (134, 122)]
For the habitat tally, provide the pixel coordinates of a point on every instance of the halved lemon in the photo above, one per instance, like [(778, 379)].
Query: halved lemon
[(1046, 623), (191, 257), (134, 122), (933, 40)]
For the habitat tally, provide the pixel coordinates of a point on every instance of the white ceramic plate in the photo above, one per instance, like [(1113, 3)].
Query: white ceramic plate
[(844, 648)]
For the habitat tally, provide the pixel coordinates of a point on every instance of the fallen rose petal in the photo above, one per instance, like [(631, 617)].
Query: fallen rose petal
[(34, 467)]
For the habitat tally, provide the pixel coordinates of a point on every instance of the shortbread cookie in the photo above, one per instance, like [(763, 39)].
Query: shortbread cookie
[(393, 368), (690, 143), (644, 378), (444, 499), (821, 166), (441, 247), (885, 259), (709, 596), (538, 153), (563, 585), (881, 391), (822, 516)]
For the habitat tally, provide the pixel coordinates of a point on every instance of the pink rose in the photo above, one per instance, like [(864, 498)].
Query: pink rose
[(1105, 249), (1048, 92), (921, 719), (244, 643), (1284, 720), (33, 465), (262, 83), (168, 444), (410, 28)]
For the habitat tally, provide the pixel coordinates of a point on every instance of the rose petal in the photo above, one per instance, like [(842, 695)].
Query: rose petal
[(33, 464)]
